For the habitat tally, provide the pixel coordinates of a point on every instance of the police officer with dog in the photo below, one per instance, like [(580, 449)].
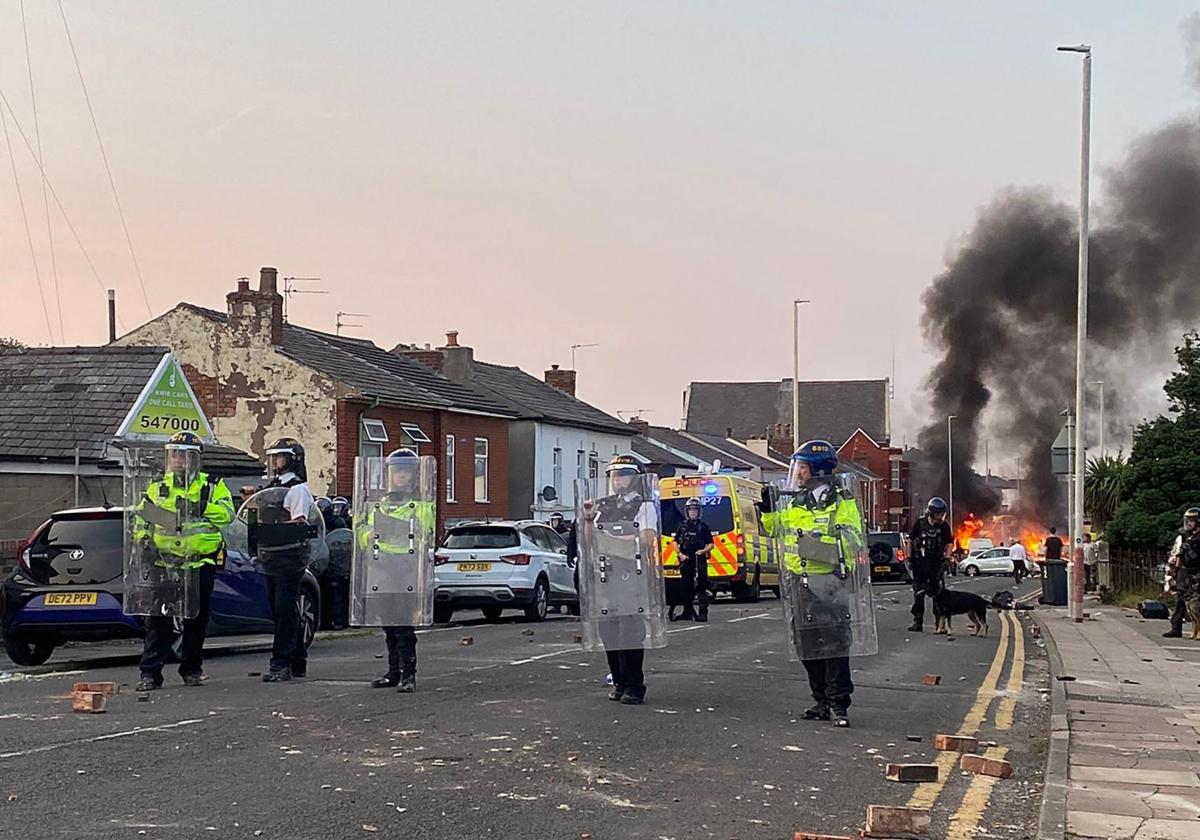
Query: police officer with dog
[(932, 543)]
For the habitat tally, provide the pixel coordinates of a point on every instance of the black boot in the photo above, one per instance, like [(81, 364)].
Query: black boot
[(147, 683), (616, 694), (818, 712), (408, 684), (282, 675), (915, 628), (841, 718), (1173, 634), (193, 680), (388, 680)]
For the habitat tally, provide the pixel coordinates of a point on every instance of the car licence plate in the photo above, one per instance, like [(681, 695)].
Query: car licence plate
[(69, 599), (474, 567), (883, 570)]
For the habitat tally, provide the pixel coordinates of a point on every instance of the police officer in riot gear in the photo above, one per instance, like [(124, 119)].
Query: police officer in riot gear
[(625, 503), (932, 542), (694, 541), (403, 468), (818, 521), (1183, 568), (284, 564), (208, 507)]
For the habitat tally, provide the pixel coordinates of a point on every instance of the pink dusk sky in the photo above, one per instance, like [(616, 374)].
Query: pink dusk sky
[(660, 179)]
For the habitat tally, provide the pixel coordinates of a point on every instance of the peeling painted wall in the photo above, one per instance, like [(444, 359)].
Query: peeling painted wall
[(275, 395)]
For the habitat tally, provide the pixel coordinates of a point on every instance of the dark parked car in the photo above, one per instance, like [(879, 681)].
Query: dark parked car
[(68, 583), (887, 552)]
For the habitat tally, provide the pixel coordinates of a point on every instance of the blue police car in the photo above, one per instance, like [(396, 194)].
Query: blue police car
[(68, 582)]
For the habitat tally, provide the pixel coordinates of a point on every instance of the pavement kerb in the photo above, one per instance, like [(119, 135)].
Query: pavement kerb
[(1052, 821)]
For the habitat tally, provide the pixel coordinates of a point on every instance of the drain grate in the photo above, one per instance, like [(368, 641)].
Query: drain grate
[(1119, 700)]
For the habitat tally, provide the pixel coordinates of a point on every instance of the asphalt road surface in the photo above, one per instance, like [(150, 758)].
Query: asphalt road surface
[(512, 736)]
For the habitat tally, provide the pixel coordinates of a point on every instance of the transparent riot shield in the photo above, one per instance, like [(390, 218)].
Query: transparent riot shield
[(279, 545), (157, 520), (340, 544), (825, 576), (621, 594), (395, 517)]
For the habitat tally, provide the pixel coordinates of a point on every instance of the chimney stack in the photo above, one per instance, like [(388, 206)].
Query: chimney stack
[(563, 380), (427, 356), (642, 427), (458, 361), (256, 316), (112, 316)]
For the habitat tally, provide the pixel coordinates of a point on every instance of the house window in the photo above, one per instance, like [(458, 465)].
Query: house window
[(450, 497), (372, 438), (594, 472), (896, 475), (481, 469), (558, 471), (580, 465), (414, 433)]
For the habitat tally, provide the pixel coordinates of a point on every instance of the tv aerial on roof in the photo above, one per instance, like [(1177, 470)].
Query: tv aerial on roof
[(341, 323), (289, 289)]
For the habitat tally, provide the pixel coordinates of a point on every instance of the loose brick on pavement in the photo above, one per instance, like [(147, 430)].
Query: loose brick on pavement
[(932, 679), (108, 689), (893, 821), (87, 702), (986, 766), (956, 743)]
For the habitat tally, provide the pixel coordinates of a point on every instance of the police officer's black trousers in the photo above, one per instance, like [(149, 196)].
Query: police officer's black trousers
[(287, 651), (626, 669), (402, 651), (829, 680), (922, 576), (160, 635)]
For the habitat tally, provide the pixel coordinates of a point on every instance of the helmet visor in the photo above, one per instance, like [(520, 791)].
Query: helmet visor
[(622, 480), (182, 462), (799, 473)]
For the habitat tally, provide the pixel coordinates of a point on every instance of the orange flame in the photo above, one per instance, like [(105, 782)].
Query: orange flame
[(967, 530)]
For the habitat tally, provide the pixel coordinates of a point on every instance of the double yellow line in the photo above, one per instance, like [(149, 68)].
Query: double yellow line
[(975, 801)]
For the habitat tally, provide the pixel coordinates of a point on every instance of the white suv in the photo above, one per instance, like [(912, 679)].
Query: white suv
[(496, 566)]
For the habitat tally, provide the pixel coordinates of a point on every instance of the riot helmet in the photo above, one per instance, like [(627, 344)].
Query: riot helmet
[(339, 506), (936, 508), (286, 455), (183, 454), (403, 468), (817, 457), (556, 520), (323, 504), (623, 472), (692, 506), (1191, 519)]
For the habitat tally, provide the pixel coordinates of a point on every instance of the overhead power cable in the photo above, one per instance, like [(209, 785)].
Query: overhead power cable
[(137, 269), (66, 218), (37, 134)]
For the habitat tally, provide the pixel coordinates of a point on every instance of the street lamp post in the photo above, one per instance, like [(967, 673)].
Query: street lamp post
[(796, 371), (1076, 609), (950, 462)]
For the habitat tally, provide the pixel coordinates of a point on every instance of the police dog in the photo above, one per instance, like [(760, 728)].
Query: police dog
[(948, 603)]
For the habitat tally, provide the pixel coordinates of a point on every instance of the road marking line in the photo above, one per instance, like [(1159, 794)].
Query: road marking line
[(747, 617), (686, 629), (975, 801), (18, 676), (925, 795), (142, 731), (1016, 677), (544, 656)]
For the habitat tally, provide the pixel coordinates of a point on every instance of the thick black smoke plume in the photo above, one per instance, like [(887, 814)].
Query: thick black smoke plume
[(1003, 316)]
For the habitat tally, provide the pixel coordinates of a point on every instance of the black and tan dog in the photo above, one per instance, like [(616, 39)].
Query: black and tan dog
[(948, 603)]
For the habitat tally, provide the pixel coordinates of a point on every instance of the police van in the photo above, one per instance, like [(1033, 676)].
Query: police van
[(743, 561)]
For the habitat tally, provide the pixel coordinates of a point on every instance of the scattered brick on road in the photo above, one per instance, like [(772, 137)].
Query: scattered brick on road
[(986, 766), (956, 743), (932, 679), (467, 640), (108, 689), (87, 702), (892, 821), (912, 773)]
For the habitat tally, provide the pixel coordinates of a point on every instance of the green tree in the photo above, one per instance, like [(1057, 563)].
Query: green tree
[(1105, 487), (1164, 466)]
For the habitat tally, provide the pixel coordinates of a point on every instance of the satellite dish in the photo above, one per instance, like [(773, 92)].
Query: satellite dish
[(549, 494)]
